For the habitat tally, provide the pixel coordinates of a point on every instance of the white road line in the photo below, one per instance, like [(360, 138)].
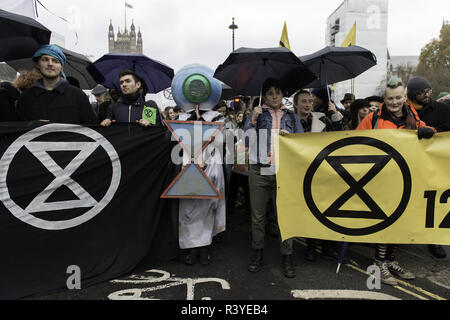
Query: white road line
[(341, 294)]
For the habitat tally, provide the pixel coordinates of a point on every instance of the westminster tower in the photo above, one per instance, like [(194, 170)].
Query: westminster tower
[(125, 42)]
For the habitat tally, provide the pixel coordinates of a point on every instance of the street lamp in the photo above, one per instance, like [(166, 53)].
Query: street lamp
[(233, 27)]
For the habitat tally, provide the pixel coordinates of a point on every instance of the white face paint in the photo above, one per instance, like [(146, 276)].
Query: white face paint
[(62, 176)]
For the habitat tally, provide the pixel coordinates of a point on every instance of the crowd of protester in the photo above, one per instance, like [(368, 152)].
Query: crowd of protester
[(44, 94)]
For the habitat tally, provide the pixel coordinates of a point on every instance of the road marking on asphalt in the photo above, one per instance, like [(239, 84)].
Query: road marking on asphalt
[(140, 293), (410, 292), (341, 294), (406, 284), (434, 296)]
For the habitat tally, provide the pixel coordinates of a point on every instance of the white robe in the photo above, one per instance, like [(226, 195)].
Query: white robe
[(201, 219)]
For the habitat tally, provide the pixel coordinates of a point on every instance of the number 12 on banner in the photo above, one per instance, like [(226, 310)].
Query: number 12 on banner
[(430, 195)]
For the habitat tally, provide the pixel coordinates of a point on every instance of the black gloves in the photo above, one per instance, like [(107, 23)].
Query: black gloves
[(425, 132)]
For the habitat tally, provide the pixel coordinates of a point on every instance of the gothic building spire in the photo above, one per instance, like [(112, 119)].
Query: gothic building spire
[(126, 42)]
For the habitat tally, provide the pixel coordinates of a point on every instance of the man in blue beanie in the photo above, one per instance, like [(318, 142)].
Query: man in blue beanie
[(52, 98)]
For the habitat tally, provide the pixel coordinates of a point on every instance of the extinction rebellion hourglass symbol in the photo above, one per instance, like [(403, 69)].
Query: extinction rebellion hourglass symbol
[(192, 182)]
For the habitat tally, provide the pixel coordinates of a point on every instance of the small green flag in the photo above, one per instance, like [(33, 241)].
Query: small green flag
[(149, 114)]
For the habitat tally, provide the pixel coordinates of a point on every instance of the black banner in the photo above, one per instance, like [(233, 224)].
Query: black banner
[(81, 201)]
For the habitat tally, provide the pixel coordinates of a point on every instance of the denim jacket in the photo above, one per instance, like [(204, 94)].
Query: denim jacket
[(289, 122)]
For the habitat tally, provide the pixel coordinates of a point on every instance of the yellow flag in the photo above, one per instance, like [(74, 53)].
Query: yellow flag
[(364, 186), (284, 40), (350, 39)]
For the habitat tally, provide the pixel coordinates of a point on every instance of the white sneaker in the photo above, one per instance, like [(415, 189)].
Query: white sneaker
[(396, 269), (386, 276)]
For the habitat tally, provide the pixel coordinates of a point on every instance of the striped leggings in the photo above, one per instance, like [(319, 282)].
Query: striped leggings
[(385, 252)]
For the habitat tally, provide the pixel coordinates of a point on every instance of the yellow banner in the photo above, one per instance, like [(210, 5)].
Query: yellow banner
[(374, 186)]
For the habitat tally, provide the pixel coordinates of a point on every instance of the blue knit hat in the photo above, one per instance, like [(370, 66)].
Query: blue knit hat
[(51, 50)]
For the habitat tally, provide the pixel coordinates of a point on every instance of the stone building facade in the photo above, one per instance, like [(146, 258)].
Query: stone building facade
[(125, 42)]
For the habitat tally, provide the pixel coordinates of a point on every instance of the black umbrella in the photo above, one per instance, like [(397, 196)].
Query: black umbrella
[(246, 69), (20, 36), (75, 67), (227, 92), (156, 75), (335, 64)]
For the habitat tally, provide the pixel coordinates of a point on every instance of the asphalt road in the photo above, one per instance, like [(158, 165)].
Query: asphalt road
[(227, 278)]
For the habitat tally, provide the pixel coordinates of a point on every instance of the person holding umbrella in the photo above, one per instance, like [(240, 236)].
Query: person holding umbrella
[(313, 121), (395, 113), (132, 107), (271, 118), (52, 98), (324, 104)]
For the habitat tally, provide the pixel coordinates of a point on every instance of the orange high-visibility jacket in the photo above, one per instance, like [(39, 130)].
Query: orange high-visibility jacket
[(366, 124)]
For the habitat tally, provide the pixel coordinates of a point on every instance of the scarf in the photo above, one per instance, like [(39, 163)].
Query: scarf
[(131, 98), (414, 105), (408, 119)]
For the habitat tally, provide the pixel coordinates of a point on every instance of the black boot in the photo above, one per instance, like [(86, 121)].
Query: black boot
[(257, 261), (191, 258), (288, 266), (205, 257)]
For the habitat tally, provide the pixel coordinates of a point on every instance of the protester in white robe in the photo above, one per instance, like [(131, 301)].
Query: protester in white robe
[(202, 219)]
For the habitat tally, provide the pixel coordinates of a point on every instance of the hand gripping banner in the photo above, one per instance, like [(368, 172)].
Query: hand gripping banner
[(375, 186)]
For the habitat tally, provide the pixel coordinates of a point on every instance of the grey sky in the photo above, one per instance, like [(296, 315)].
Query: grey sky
[(180, 32)]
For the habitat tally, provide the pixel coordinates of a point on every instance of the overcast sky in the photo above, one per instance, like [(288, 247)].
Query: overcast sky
[(181, 32)]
